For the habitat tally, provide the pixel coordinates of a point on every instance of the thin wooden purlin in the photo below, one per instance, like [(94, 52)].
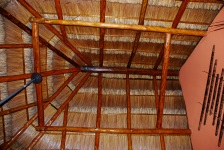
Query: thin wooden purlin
[(163, 80), (63, 139), (138, 34), (43, 41), (174, 25), (9, 46), (99, 106), (37, 69), (50, 27), (60, 109), (28, 123), (128, 99)]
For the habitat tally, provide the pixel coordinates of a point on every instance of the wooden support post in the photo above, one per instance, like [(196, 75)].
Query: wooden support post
[(63, 139), (99, 105), (37, 68), (163, 80), (128, 98), (60, 109), (28, 123)]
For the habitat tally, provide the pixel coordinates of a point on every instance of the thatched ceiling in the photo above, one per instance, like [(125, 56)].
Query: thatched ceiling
[(125, 40)]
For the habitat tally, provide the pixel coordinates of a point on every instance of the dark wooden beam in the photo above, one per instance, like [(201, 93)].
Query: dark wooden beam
[(9, 46), (29, 31), (138, 34), (116, 130), (128, 71), (128, 99), (43, 74), (51, 28), (163, 80), (174, 25), (156, 92), (63, 139)]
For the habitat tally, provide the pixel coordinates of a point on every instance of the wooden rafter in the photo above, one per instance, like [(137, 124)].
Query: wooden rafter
[(28, 123), (128, 99), (29, 31), (163, 80), (127, 71), (99, 105), (37, 69), (60, 109), (116, 131), (102, 31), (156, 92), (119, 26), (174, 25), (60, 16), (50, 27), (43, 74), (162, 142), (138, 34), (63, 139)]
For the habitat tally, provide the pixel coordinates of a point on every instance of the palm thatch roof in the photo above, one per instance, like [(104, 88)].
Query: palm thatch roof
[(109, 68)]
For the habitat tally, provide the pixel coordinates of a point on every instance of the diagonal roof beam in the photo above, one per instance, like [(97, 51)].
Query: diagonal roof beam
[(102, 30), (51, 28), (60, 16), (138, 34), (174, 25), (29, 31)]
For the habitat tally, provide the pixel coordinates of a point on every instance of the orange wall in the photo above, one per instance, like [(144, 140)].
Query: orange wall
[(193, 81)]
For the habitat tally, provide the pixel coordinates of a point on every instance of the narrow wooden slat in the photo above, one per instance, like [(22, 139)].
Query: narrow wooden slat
[(138, 34), (220, 112), (162, 142), (43, 41), (156, 93), (43, 74), (3, 124), (119, 26), (50, 27), (37, 69), (99, 105), (120, 70), (163, 80), (174, 25), (60, 16), (102, 31), (116, 130), (221, 131), (63, 139), (28, 123), (8, 46), (60, 109), (128, 98), (214, 93)]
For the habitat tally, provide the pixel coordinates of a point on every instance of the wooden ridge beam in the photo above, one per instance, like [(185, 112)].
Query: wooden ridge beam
[(43, 41), (116, 130), (138, 34), (121, 70), (163, 81), (119, 26), (28, 123), (174, 25), (43, 74), (51, 28)]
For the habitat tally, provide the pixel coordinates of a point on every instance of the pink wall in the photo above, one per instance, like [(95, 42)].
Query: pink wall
[(193, 82)]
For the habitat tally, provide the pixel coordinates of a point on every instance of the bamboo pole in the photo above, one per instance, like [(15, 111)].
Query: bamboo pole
[(28, 123), (116, 130), (43, 41), (37, 68), (120, 70), (210, 91), (207, 88), (51, 28), (128, 98), (60, 109), (102, 31), (138, 34), (220, 112), (214, 93), (63, 139), (43, 74), (163, 80), (119, 26), (99, 105)]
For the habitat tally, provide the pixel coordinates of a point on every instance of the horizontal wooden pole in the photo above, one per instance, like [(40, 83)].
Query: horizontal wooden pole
[(127, 71), (45, 73), (115, 130), (8, 46), (119, 26)]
